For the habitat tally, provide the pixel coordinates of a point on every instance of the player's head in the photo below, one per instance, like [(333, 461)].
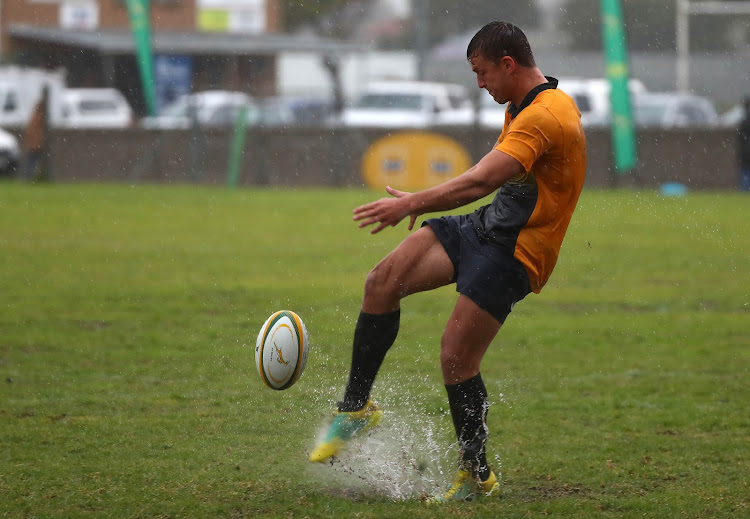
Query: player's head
[(501, 58), (499, 39)]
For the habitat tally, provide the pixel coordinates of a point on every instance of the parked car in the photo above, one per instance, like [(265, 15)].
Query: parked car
[(275, 112), (10, 153), (732, 117), (592, 97), (94, 108), (296, 111), (312, 111), (673, 110), (414, 104), (213, 108)]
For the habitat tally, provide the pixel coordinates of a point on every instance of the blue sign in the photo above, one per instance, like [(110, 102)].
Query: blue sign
[(173, 77)]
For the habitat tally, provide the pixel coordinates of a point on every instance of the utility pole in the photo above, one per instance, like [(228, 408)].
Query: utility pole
[(421, 35)]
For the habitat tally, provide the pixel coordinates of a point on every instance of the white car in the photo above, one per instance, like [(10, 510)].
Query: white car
[(592, 98), (214, 108), (94, 108), (732, 117), (673, 110), (410, 104), (10, 153)]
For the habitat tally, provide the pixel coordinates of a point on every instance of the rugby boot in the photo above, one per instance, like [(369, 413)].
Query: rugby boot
[(467, 487), (345, 426)]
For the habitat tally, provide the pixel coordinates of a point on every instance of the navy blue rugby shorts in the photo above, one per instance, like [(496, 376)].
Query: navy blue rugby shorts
[(484, 273)]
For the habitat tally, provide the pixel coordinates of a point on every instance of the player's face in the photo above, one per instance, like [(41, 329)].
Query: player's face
[(493, 77)]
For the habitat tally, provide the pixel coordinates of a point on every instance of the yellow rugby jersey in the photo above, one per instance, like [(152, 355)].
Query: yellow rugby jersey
[(530, 213)]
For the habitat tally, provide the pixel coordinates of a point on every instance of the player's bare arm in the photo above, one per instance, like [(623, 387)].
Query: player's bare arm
[(491, 172)]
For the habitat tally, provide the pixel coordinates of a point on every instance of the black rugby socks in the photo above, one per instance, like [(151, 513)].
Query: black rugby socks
[(373, 337), (469, 405)]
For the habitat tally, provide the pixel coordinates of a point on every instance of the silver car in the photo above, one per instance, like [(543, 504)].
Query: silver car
[(211, 108), (673, 110), (416, 104)]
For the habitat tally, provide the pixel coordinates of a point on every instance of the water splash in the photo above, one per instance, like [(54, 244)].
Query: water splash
[(404, 458), (412, 454)]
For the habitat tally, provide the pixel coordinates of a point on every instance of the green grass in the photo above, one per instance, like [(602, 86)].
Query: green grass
[(128, 388)]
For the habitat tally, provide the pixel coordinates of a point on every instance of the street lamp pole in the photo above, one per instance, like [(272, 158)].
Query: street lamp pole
[(683, 45)]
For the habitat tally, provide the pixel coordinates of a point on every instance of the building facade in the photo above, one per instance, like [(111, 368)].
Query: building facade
[(197, 44)]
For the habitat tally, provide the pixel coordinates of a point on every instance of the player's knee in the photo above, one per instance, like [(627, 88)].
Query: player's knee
[(379, 284), (457, 362), (450, 360), (449, 365)]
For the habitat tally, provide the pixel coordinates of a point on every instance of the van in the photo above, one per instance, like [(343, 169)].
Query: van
[(410, 104), (94, 108), (21, 89), (592, 97)]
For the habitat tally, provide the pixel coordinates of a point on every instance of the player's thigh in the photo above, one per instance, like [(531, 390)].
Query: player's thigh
[(419, 263)]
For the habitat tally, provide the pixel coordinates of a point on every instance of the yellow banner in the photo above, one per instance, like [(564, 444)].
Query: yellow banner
[(411, 161)]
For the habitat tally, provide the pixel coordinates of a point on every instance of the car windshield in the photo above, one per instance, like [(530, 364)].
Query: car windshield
[(390, 102), (649, 111)]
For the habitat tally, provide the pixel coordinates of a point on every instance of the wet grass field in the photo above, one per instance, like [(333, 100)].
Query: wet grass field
[(128, 317)]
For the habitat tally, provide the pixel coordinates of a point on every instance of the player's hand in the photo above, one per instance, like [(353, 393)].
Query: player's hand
[(385, 212), (399, 194)]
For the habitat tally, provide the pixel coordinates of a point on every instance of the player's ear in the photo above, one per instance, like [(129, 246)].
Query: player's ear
[(507, 64)]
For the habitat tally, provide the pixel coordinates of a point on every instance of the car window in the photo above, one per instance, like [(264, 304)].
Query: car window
[(97, 105), (11, 102), (456, 101), (390, 102), (694, 115), (685, 114), (582, 102)]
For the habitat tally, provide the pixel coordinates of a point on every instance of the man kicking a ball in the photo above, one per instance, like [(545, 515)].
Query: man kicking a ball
[(495, 255)]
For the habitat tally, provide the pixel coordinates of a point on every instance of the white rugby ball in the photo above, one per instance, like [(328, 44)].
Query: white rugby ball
[(281, 350)]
